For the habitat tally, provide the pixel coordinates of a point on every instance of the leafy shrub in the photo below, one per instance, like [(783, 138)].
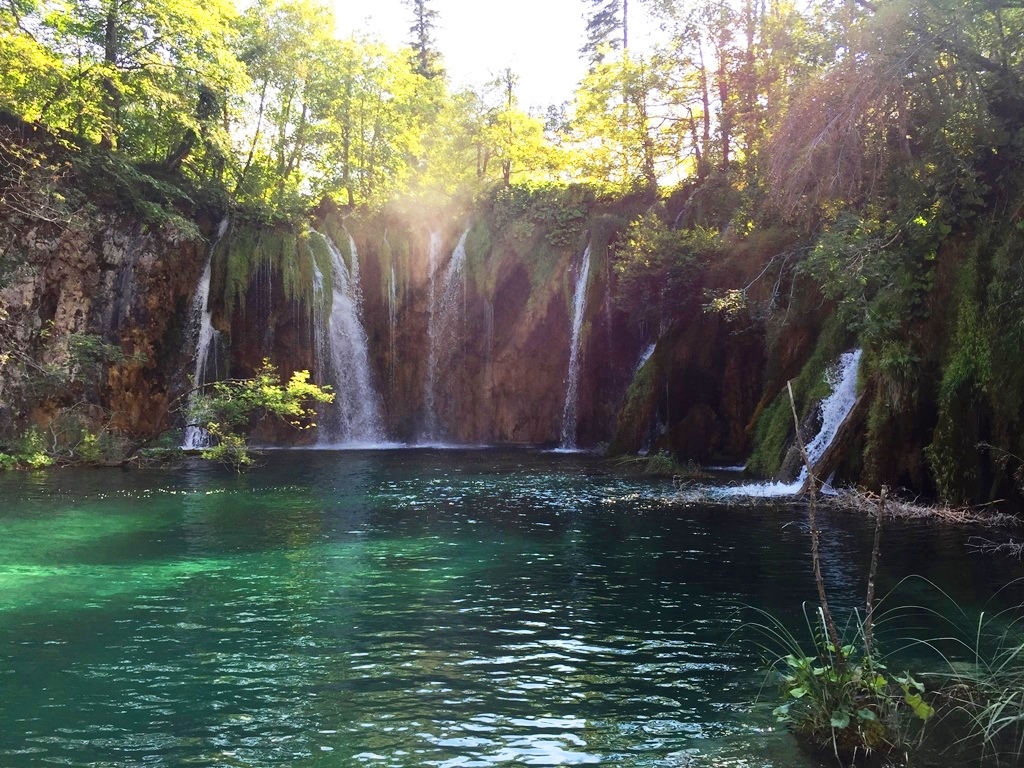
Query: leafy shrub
[(559, 210), (228, 408)]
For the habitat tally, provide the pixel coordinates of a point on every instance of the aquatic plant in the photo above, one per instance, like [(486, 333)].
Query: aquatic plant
[(842, 699), (985, 697)]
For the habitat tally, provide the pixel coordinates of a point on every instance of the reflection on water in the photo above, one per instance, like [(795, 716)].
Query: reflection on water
[(406, 608)]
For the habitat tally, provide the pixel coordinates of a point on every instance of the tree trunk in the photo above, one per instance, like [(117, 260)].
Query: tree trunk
[(625, 25), (255, 139), (705, 100), (111, 91)]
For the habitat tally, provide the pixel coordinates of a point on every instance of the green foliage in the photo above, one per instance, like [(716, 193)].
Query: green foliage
[(992, 693), (143, 76), (847, 698), (227, 409), (660, 464), (772, 437), (879, 273), (658, 267), (841, 700), (29, 452), (952, 455), (560, 211), (73, 438), (250, 253), (618, 137)]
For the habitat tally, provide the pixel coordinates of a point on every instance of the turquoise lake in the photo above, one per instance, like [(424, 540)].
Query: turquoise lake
[(413, 607)]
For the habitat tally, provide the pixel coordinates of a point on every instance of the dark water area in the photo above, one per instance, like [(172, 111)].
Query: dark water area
[(415, 607)]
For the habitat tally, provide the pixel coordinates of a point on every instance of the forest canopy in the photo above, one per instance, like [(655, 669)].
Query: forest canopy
[(807, 108)]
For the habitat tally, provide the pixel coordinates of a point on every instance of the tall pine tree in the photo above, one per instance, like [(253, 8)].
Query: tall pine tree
[(427, 59), (607, 26)]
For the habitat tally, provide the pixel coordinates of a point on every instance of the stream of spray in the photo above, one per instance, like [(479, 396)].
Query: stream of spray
[(579, 310), (319, 323), (207, 338), (446, 313), (834, 410), (355, 416), (644, 357)]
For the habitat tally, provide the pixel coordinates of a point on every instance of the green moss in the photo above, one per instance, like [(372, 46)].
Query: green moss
[(252, 250), (772, 436), (953, 455), (479, 265), (558, 210), (640, 402)]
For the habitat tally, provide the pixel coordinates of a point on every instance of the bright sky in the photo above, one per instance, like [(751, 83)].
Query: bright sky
[(538, 39)]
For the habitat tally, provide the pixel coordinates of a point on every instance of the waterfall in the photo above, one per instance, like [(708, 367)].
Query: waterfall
[(446, 313), (644, 357), (488, 342), (355, 416), (836, 407), (320, 336), (579, 309), (834, 410), (201, 324), (392, 324), (433, 257)]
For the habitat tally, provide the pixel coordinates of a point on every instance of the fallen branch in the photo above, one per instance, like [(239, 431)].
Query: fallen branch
[(867, 503)]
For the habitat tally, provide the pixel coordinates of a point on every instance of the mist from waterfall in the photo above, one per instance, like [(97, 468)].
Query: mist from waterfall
[(579, 309)]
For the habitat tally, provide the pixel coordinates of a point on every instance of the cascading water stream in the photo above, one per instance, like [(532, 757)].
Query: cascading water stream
[(354, 418), (579, 309), (644, 357), (392, 324), (433, 259), (201, 321), (446, 313), (834, 410)]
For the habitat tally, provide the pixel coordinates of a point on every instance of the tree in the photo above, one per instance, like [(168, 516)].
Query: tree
[(150, 78), (229, 409), (427, 59), (284, 44), (629, 128), (515, 138), (607, 28)]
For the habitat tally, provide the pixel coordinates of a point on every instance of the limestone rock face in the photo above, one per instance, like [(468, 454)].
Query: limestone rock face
[(93, 320)]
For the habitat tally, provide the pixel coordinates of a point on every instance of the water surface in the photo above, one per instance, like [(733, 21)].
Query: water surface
[(406, 608)]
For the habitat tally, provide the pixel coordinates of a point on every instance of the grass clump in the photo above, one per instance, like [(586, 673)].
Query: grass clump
[(661, 464)]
